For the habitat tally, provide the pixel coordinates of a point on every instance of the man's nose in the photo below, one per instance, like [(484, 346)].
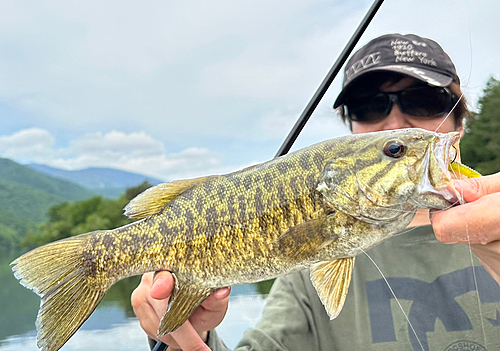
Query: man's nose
[(395, 119)]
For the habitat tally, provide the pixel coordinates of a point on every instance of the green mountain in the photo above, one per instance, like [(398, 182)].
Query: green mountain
[(107, 182), (26, 196)]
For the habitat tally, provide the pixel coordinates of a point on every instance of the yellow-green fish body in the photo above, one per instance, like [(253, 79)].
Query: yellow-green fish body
[(317, 207)]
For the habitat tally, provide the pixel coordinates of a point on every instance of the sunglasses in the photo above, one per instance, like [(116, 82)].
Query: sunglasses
[(421, 101)]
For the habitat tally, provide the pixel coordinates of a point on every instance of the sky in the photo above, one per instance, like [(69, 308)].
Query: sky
[(179, 89)]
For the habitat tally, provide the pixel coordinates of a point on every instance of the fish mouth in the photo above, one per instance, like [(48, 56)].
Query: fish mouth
[(436, 189)]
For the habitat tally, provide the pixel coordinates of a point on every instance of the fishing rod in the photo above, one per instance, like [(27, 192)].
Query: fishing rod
[(325, 84), (318, 95)]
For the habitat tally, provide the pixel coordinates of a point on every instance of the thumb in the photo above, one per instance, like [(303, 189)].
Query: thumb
[(163, 284), (475, 188)]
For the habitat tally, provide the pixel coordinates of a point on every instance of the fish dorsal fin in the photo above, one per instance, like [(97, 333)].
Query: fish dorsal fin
[(154, 199), (331, 280), (186, 299)]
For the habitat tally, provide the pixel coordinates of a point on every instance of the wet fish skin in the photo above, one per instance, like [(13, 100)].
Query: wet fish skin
[(319, 204)]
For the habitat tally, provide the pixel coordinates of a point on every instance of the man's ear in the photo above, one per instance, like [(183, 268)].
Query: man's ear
[(460, 129)]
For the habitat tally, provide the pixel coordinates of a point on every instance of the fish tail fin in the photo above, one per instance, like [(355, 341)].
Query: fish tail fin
[(58, 274)]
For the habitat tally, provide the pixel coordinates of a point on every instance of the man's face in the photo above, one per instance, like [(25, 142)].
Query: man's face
[(398, 120)]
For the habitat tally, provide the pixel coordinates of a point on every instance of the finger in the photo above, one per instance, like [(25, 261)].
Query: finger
[(148, 321), (488, 254), (149, 311), (170, 341), (187, 339), (217, 301), (222, 293), (475, 188), (163, 284), (147, 279), (139, 296), (212, 311), (144, 311), (213, 308), (475, 222)]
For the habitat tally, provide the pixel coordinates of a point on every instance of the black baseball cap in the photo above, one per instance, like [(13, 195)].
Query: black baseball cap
[(408, 54)]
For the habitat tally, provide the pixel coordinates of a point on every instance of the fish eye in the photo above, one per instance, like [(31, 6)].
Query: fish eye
[(394, 148)]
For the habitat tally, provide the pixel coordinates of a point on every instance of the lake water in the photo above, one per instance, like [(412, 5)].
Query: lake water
[(113, 325)]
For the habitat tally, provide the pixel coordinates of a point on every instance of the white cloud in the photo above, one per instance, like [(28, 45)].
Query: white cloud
[(115, 143), (29, 144), (136, 152), (274, 65), (323, 124), (211, 72)]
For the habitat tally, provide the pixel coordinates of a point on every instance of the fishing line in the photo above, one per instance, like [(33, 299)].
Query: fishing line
[(395, 298), (476, 285), (449, 113), (462, 202), (470, 45), (406, 231), (466, 225), (470, 67)]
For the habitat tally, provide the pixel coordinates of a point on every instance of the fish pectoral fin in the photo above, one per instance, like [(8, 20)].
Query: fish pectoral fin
[(154, 199), (303, 240), (186, 299), (331, 280)]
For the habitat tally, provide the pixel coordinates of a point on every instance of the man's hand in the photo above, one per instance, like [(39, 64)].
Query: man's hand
[(477, 222), (150, 301)]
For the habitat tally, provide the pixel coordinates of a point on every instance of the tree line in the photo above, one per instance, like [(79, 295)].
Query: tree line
[(74, 218), (480, 147)]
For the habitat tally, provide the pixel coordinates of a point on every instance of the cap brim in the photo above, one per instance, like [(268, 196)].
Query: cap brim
[(427, 76)]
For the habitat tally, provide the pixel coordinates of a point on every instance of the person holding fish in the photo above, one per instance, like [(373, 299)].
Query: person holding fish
[(393, 82), (306, 217)]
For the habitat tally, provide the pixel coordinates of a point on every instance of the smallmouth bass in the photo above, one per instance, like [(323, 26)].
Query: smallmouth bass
[(318, 207)]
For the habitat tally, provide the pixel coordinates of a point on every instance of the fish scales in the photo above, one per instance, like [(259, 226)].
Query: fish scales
[(240, 218), (190, 234), (277, 195), (317, 207), (209, 234)]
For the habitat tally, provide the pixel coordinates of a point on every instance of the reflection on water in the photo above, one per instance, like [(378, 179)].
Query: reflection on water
[(109, 329), (106, 329), (244, 312), (112, 326)]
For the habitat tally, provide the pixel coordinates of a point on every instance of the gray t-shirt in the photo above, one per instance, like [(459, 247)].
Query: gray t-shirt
[(433, 282)]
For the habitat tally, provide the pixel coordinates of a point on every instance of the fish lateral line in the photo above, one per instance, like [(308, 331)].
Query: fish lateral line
[(303, 209)]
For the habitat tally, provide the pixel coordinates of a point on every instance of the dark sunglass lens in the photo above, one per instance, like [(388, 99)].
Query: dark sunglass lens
[(367, 108), (426, 101)]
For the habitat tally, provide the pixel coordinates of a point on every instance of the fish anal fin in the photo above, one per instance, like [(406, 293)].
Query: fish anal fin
[(331, 280), (187, 298), (154, 199)]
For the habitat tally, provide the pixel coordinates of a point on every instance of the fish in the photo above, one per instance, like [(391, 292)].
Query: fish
[(315, 208)]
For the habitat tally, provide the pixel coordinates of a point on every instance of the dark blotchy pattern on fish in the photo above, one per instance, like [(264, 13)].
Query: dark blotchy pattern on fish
[(326, 202), (228, 225), (222, 225)]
